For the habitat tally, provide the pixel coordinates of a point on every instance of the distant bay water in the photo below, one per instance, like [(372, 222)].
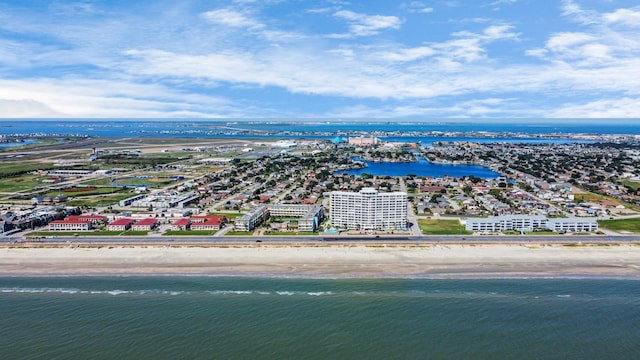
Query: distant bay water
[(212, 128), (223, 318), (314, 129)]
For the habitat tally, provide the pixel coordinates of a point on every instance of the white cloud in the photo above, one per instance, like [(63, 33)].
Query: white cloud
[(499, 32), (408, 54), (101, 98), (600, 44), (490, 33), (602, 109), (321, 10), (481, 108), (573, 11), (501, 2), (230, 17), (184, 63), (624, 16), (469, 47), (416, 7), (348, 71), (25, 108), (365, 25), (563, 41), (581, 49)]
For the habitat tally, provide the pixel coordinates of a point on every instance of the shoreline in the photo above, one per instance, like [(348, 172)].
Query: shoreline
[(330, 262)]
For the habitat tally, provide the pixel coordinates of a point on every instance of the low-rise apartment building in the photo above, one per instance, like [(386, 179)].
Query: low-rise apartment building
[(530, 223)]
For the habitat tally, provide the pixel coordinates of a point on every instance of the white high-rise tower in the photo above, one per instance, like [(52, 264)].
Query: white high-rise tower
[(369, 210)]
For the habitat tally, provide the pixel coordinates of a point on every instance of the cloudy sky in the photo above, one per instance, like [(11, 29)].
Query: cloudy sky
[(320, 59)]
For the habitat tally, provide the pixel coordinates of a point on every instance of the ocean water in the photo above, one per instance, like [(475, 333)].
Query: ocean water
[(245, 318)]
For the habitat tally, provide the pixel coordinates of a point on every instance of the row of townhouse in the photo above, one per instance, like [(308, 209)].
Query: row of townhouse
[(77, 223), (124, 224), (90, 222), (199, 223)]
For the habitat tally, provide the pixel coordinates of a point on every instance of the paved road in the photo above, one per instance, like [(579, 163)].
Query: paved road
[(203, 240)]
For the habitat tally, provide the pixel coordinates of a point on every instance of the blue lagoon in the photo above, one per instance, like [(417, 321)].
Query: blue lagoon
[(422, 167)]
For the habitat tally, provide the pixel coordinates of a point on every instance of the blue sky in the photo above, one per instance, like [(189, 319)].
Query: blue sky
[(320, 59)]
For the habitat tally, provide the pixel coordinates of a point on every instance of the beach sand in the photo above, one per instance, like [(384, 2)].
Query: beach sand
[(436, 261)]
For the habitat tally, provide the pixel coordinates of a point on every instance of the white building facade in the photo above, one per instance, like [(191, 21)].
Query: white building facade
[(368, 210), (253, 218), (530, 223)]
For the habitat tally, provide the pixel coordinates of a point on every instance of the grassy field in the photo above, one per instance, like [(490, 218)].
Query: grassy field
[(595, 198), (96, 182), (20, 183), (41, 142), (442, 227), (151, 181), (633, 185), (588, 197), (79, 192), (622, 225), (99, 200), (8, 169)]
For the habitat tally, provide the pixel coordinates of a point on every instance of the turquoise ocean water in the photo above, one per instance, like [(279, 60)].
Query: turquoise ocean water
[(245, 318)]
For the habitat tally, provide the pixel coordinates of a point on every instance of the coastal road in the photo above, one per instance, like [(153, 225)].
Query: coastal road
[(283, 240)]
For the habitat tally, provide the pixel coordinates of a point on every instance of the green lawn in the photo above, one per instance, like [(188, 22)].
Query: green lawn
[(239, 233), (230, 215), (442, 227), (542, 232), (622, 225), (190, 232), (285, 233)]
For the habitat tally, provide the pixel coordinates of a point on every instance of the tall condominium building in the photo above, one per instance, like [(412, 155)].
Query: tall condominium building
[(363, 141), (368, 210)]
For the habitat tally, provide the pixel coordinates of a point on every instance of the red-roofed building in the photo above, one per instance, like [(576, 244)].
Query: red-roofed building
[(94, 219), (206, 222), (120, 224), (204, 218), (181, 224), (145, 225), (70, 225)]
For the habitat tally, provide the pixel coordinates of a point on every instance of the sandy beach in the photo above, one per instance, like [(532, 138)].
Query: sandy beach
[(437, 261)]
